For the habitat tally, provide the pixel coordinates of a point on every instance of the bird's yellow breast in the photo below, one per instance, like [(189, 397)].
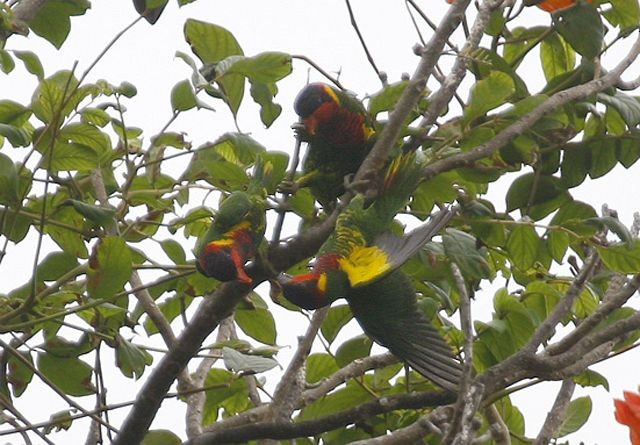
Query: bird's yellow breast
[(364, 264)]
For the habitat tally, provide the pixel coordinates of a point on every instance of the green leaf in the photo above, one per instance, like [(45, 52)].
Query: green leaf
[(19, 375), (263, 94), (603, 158), (130, 359), (356, 347), (98, 214), (624, 14), (319, 366), (55, 265), (183, 97), (267, 67), (387, 98), (244, 363), (70, 157), (52, 19), (576, 416), (109, 267), (582, 28), (55, 96), (461, 248), (95, 116), (353, 394), (7, 63), (257, 323), (591, 378), (71, 375), (628, 106), (536, 195), (18, 137), (13, 113), (337, 317), (231, 395), (31, 63), (489, 93), (621, 258), (557, 57), (87, 135), (575, 165), (523, 246), (161, 437), (8, 181), (213, 43), (174, 251)]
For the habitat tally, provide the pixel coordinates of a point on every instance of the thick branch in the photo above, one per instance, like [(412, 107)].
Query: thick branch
[(288, 430), (555, 417), (526, 122), (211, 311)]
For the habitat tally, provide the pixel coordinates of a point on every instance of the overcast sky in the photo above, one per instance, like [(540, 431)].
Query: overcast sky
[(321, 31)]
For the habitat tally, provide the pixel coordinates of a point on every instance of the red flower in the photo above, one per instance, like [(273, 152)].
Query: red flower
[(628, 413)]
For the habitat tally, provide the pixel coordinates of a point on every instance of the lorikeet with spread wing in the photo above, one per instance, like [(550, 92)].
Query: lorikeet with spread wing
[(236, 231), (360, 262), (339, 135)]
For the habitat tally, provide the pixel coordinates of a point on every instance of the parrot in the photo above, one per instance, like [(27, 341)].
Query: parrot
[(360, 262), (236, 231), (339, 135)]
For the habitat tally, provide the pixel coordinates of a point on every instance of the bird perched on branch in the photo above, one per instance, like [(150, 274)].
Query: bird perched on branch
[(360, 262), (339, 135), (236, 231)]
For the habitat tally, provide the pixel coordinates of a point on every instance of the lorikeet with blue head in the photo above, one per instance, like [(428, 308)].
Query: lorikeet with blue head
[(361, 261), (236, 231), (339, 135)]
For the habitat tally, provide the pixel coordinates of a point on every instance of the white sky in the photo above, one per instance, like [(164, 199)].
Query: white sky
[(320, 30)]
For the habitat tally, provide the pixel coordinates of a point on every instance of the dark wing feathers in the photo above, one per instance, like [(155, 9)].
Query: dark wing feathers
[(397, 324), (400, 249)]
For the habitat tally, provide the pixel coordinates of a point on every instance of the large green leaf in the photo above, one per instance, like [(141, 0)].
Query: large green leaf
[(19, 375), (131, 360), (557, 57), (582, 28), (267, 67), (213, 43), (337, 317), (489, 93), (52, 21), (8, 181), (71, 375), (621, 258), (356, 347), (576, 416), (257, 323), (320, 366), (110, 267), (523, 244)]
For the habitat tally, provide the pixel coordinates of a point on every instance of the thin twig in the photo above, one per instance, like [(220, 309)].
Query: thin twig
[(354, 23)]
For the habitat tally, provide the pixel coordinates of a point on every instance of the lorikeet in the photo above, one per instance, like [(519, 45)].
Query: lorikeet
[(236, 231), (339, 134), (360, 263)]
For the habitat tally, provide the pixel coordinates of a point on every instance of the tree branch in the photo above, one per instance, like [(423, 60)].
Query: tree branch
[(289, 430), (556, 415), (526, 122), (413, 92)]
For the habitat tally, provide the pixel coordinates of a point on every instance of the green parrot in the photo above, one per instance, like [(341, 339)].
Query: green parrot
[(236, 231), (339, 135), (361, 261)]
